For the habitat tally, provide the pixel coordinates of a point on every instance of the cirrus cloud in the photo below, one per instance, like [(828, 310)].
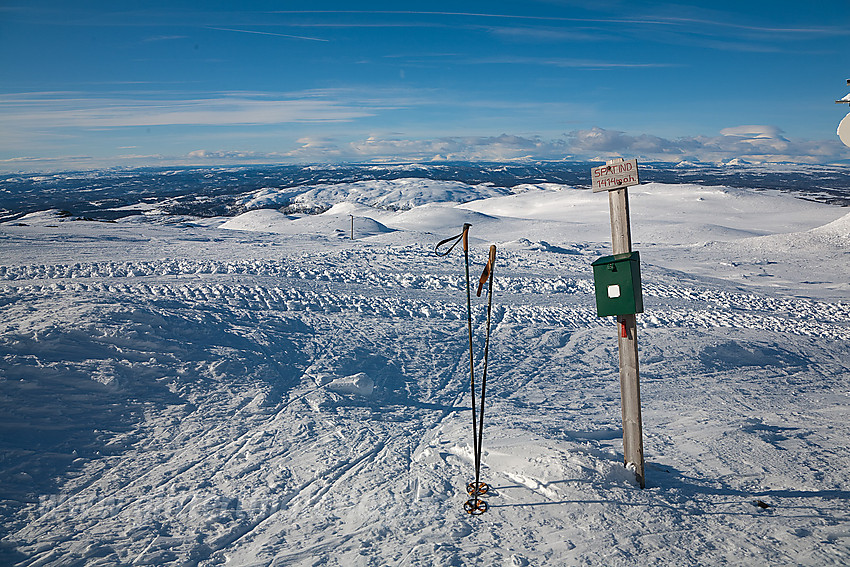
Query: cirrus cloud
[(70, 110)]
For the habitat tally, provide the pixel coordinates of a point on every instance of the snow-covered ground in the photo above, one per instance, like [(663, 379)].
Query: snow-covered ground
[(263, 390)]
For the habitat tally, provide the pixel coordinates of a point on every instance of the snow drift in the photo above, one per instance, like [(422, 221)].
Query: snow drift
[(174, 392)]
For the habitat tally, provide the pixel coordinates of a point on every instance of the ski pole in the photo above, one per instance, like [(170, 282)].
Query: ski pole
[(487, 275), (474, 505)]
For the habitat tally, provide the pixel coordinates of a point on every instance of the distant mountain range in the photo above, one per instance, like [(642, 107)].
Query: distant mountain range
[(227, 191)]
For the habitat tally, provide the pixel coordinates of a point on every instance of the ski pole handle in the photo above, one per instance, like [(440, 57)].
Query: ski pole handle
[(488, 271)]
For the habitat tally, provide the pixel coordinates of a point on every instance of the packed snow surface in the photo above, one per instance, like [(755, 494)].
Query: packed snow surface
[(265, 390)]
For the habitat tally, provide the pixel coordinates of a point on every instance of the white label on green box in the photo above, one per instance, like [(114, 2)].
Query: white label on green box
[(613, 291)]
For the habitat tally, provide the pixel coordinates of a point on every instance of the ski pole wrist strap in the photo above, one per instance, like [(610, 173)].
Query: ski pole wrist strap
[(464, 235)]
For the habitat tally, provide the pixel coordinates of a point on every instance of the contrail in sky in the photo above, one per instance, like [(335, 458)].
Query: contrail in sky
[(269, 33), (657, 20)]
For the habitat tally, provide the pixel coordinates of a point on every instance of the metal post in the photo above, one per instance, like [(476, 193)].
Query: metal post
[(621, 239), (352, 226)]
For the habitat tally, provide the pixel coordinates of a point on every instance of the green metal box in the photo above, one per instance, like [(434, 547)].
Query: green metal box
[(617, 282)]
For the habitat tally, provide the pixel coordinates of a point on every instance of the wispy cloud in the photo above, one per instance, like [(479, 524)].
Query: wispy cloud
[(288, 36), (83, 162), (796, 30), (46, 161), (543, 34), (379, 148), (754, 143), (99, 112), (635, 19), (233, 155), (164, 38), (709, 29), (565, 62)]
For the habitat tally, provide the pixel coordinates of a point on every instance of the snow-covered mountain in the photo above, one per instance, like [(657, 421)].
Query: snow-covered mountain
[(395, 194), (261, 389), (226, 191)]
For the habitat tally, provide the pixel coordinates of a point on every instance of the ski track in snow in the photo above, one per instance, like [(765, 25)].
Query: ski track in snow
[(722, 308), (197, 426)]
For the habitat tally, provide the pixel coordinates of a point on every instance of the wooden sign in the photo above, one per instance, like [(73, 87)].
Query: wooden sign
[(614, 175)]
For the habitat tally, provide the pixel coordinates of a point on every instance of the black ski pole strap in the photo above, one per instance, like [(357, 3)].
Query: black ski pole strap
[(464, 235)]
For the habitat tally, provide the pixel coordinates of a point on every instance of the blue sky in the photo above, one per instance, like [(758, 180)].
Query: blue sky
[(88, 84)]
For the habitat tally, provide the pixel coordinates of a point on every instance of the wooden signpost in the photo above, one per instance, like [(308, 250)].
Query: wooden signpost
[(615, 177)]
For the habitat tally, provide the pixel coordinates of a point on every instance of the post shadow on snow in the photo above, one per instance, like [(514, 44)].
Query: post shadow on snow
[(690, 489), (686, 495)]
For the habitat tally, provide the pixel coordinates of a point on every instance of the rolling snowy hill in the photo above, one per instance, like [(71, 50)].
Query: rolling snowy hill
[(263, 390)]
